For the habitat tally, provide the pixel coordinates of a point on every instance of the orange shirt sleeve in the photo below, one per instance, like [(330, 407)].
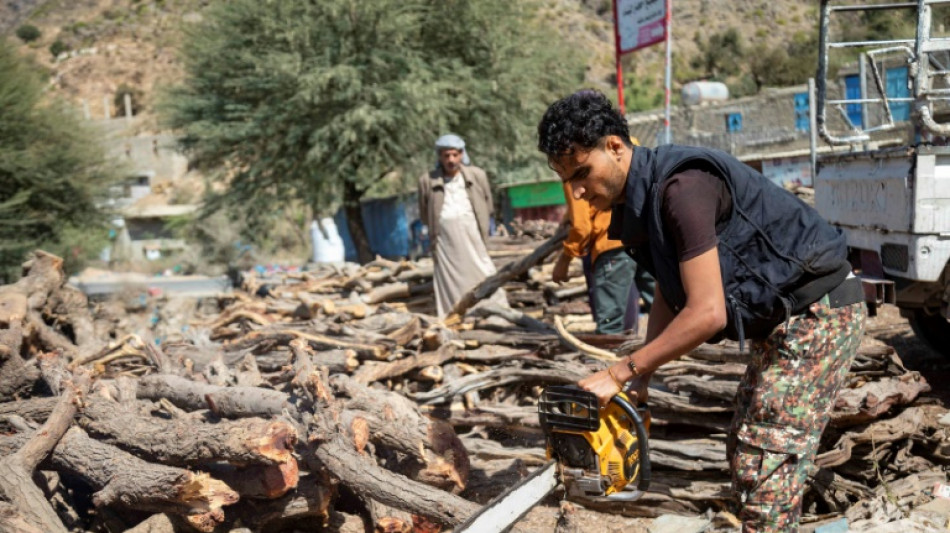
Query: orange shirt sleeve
[(578, 239)]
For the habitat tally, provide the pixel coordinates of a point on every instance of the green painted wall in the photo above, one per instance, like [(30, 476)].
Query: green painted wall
[(536, 194)]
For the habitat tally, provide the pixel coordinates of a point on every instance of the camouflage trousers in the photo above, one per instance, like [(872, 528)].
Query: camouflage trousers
[(783, 404)]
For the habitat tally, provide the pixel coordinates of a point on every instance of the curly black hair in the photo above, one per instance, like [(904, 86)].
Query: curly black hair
[(581, 119)]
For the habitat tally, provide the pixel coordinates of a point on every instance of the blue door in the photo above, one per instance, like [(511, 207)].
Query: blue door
[(801, 112), (852, 91), (897, 88), (734, 122)]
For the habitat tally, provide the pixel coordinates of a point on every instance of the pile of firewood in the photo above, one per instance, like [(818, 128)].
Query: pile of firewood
[(332, 398)]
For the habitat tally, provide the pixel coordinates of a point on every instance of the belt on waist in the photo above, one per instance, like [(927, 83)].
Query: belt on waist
[(850, 291)]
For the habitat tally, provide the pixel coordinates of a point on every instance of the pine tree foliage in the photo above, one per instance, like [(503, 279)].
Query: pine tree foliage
[(52, 172), (319, 100)]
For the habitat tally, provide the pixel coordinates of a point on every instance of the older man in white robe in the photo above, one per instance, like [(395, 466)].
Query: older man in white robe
[(455, 202)]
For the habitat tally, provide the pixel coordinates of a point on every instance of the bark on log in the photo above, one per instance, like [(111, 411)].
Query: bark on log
[(226, 402), (16, 375), (335, 447), (395, 422), (388, 519), (43, 274), (16, 470), (311, 501), (320, 342), (369, 373), (265, 482), (181, 442), (499, 377), (13, 521), (506, 273), (123, 479), (345, 463), (514, 316), (395, 291)]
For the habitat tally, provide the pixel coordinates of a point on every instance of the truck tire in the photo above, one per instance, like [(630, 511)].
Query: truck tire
[(933, 328)]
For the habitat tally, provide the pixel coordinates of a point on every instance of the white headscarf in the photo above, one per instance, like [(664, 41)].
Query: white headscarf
[(451, 141)]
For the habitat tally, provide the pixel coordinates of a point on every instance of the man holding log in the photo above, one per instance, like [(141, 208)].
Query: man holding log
[(734, 256)]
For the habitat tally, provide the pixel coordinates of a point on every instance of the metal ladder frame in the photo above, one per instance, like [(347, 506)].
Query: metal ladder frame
[(920, 66)]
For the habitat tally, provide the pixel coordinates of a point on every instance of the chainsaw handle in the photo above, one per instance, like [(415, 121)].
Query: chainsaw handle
[(645, 472)]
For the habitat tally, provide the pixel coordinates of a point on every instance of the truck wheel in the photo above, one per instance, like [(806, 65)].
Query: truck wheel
[(933, 328)]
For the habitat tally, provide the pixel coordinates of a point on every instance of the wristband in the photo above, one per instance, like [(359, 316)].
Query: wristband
[(633, 367)]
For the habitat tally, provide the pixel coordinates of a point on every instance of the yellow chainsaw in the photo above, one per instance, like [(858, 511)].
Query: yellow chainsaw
[(597, 454)]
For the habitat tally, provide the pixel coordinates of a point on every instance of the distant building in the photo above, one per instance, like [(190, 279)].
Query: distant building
[(769, 131)]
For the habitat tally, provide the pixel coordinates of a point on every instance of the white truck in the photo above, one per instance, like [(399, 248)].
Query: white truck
[(884, 175)]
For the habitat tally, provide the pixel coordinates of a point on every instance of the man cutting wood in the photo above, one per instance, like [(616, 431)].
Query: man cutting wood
[(733, 256)]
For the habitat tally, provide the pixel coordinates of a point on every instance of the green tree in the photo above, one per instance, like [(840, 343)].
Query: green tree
[(51, 173), (319, 100), (28, 33), (721, 55)]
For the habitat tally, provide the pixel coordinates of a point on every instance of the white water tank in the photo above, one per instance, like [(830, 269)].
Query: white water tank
[(327, 243), (699, 92)]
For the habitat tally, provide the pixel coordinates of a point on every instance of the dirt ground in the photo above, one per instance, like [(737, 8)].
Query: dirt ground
[(888, 328)]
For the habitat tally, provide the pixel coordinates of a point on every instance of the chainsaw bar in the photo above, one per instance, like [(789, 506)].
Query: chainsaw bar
[(502, 512)]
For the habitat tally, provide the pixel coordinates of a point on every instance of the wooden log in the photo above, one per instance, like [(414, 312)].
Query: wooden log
[(514, 316), (227, 402), (16, 469), (341, 451), (396, 422), (16, 375), (49, 338), (870, 401), (506, 273), (122, 479), (35, 409), (68, 305), (346, 464), (157, 523), (437, 336), (917, 423), (310, 501), (396, 291), (320, 342), (184, 442), (513, 337), (388, 519), (13, 521), (43, 274), (406, 333), (509, 417), (703, 387), (368, 373), (265, 482), (577, 344), (501, 376)]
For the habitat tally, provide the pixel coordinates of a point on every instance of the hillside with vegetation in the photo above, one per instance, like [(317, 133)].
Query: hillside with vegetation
[(96, 48), (487, 68)]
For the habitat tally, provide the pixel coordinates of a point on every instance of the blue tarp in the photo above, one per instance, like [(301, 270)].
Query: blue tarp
[(386, 225)]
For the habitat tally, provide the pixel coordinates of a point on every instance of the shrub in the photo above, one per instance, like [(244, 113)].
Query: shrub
[(58, 47), (28, 33)]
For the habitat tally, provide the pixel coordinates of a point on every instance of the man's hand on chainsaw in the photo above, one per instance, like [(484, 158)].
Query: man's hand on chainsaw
[(605, 387), (602, 385)]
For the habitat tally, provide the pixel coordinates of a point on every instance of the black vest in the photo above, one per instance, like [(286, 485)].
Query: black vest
[(776, 253)]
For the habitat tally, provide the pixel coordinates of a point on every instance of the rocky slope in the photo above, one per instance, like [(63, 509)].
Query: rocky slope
[(105, 44)]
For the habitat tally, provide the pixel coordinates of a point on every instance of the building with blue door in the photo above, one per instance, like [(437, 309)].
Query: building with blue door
[(897, 87), (771, 131)]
